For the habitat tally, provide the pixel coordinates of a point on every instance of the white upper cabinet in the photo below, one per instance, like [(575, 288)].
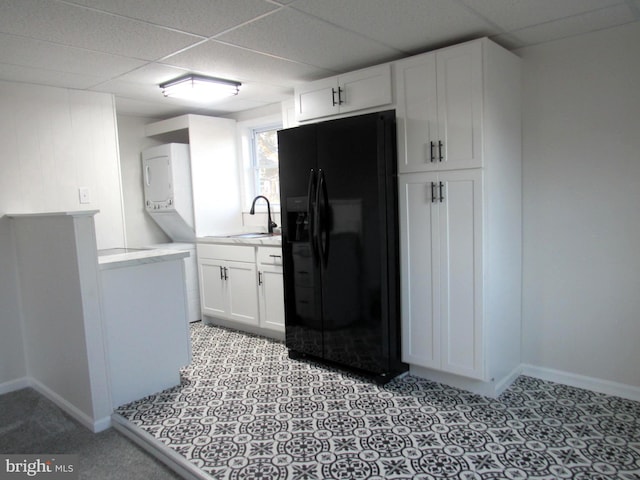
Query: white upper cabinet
[(439, 109), (366, 88)]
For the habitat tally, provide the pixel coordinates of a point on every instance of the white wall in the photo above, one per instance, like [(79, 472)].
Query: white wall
[(581, 181), (52, 141), (12, 359), (140, 228)]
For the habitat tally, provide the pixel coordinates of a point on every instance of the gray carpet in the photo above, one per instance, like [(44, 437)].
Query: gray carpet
[(30, 423)]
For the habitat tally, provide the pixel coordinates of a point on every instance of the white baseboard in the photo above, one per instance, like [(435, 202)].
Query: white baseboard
[(490, 389), (493, 389), (580, 381), (94, 425), (506, 382), (13, 385)]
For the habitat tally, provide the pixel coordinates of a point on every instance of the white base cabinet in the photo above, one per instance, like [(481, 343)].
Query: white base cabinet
[(271, 288), (460, 216), (441, 221), (228, 282), (242, 285)]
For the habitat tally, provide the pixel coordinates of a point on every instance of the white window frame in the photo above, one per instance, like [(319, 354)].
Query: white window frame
[(246, 131)]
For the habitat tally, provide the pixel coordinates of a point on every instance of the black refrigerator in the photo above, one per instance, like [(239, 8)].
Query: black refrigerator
[(338, 190)]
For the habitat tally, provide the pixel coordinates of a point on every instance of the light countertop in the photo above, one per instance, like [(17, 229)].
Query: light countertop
[(274, 240), (127, 257)]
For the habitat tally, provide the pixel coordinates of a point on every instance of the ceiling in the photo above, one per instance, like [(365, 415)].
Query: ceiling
[(128, 47)]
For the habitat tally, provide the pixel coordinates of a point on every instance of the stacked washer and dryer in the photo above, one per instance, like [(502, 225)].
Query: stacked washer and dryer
[(169, 201)]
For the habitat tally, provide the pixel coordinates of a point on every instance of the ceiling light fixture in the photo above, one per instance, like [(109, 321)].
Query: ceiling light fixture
[(200, 88)]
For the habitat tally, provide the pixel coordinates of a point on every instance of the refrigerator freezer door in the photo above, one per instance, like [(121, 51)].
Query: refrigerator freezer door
[(303, 314)]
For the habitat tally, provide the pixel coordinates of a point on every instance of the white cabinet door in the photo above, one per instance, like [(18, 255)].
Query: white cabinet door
[(242, 292), (460, 272), (366, 88), (271, 288), (271, 297), (439, 98), (441, 235), (213, 294), (417, 113), (419, 262), (317, 99), (459, 83)]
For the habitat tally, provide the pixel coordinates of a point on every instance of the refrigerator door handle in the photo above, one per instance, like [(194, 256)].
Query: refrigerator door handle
[(321, 233), (312, 213)]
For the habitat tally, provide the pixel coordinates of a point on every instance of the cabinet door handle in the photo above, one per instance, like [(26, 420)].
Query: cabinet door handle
[(433, 192), (440, 157), (221, 273), (275, 256), (259, 278), (340, 100), (333, 96), (432, 155), (441, 189), (226, 271)]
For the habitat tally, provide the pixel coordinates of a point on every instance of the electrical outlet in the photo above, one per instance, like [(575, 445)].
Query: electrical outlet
[(84, 194)]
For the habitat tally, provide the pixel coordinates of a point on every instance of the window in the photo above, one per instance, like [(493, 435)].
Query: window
[(264, 163)]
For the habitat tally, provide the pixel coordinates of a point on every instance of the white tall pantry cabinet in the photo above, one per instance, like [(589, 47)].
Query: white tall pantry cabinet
[(459, 145)]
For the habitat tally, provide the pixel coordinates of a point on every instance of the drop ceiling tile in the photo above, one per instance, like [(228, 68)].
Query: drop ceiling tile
[(226, 61), (27, 52), (143, 91), (141, 108), (41, 76), (85, 28), (508, 41), (406, 25), (232, 105), (264, 92), (291, 34), (201, 17), (149, 74), (517, 14), (575, 25)]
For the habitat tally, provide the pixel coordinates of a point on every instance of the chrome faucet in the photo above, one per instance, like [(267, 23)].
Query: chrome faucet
[(270, 223)]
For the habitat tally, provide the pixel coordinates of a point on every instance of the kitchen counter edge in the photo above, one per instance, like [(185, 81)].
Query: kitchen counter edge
[(270, 241)]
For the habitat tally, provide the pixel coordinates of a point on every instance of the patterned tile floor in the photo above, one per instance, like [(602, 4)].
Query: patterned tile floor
[(246, 411)]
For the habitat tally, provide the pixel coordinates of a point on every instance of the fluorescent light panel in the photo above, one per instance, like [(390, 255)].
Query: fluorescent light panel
[(200, 88)]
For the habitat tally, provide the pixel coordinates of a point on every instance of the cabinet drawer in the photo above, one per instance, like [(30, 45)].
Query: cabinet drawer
[(270, 255), (233, 253)]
